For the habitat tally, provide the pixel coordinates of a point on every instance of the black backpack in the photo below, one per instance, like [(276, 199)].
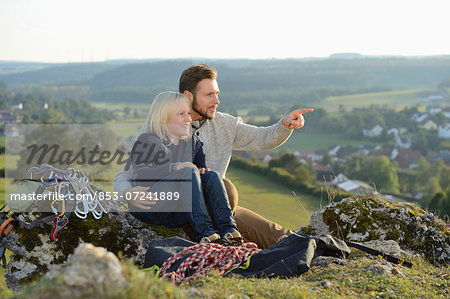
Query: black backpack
[(289, 257)]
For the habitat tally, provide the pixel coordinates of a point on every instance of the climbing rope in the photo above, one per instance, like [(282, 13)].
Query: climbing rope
[(206, 257)]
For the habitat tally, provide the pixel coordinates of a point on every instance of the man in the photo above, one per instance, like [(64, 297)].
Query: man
[(221, 134)]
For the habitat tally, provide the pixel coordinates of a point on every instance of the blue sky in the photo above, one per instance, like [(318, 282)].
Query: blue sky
[(97, 30)]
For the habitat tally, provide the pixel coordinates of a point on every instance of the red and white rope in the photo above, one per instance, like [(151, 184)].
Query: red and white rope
[(206, 257)]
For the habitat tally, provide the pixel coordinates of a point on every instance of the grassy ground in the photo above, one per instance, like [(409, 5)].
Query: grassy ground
[(396, 98), (315, 141), (272, 200), (353, 280), (121, 106)]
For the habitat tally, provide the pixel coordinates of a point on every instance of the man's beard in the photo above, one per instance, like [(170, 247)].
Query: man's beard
[(203, 114)]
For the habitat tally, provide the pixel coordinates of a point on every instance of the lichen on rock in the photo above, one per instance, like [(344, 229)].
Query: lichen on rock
[(119, 232), (366, 218)]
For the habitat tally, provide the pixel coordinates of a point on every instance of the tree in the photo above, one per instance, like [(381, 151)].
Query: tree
[(433, 187), (420, 142), (437, 202), (304, 175), (385, 174), (421, 172), (327, 159), (287, 161)]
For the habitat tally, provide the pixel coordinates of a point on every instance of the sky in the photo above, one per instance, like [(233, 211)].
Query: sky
[(98, 30)]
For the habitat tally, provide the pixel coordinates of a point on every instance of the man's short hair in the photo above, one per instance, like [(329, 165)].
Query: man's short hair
[(194, 74)]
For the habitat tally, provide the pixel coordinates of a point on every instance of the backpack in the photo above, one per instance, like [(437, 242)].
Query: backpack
[(289, 257)]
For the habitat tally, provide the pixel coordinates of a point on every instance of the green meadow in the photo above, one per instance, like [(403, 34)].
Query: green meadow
[(393, 99), (313, 141), (273, 201)]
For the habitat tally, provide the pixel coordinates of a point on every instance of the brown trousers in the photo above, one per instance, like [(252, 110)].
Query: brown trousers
[(253, 227)]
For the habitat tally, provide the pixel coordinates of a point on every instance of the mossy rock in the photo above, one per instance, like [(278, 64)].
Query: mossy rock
[(366, 218), (120, 233)]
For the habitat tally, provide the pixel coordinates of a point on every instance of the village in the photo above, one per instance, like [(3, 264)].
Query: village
[(400, 152)]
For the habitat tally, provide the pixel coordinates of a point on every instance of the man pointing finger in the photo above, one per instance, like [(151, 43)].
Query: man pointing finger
[(295, 119)]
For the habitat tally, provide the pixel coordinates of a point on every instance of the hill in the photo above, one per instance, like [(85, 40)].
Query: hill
[(246, 82)]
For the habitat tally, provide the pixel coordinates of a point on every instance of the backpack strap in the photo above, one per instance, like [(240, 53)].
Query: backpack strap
[(375, 252)]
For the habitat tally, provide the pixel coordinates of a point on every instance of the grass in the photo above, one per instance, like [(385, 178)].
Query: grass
[(353, 280), (396, 98), (271, 200), (314, 141), (121, 106)]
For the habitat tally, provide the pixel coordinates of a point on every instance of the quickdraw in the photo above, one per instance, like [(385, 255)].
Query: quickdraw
[(73, 193), (206, 257)]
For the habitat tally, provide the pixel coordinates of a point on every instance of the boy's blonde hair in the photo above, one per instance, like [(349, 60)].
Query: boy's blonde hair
[(163, 108)]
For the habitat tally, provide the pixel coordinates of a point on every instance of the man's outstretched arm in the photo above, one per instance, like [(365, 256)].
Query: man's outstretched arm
[(249, 137)]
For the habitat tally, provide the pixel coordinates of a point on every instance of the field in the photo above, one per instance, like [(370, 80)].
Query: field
[(272, 200), (314, 141), (393, 99)]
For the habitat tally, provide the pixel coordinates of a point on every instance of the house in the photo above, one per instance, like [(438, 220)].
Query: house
[(318, 154), (12, 130), (418, 118), (357, 187), (333, 150), (18, 106), (428, 124), (443, 155), (365, 149), (444, 131), (403, 142), (305, 154), (373, 132), (8, 117), (434, 109), (404, 157), (446, 111), (381, 152), (324, 174), (345, 152), (401, 139), (340, 178), (352, 186), (13, 119)]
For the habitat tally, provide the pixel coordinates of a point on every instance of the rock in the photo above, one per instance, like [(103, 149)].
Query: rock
[(193, 293), (325, 261), (326, 284), (396, 271), (117, 231), (90, 266), (385, 268), (380, 269), (387, 246), (366, 218)]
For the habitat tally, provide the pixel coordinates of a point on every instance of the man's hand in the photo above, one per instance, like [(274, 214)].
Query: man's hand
[(139, 197), (295, 119), (203, 170)]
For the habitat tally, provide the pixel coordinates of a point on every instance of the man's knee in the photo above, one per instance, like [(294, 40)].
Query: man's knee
[(232, 193)]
